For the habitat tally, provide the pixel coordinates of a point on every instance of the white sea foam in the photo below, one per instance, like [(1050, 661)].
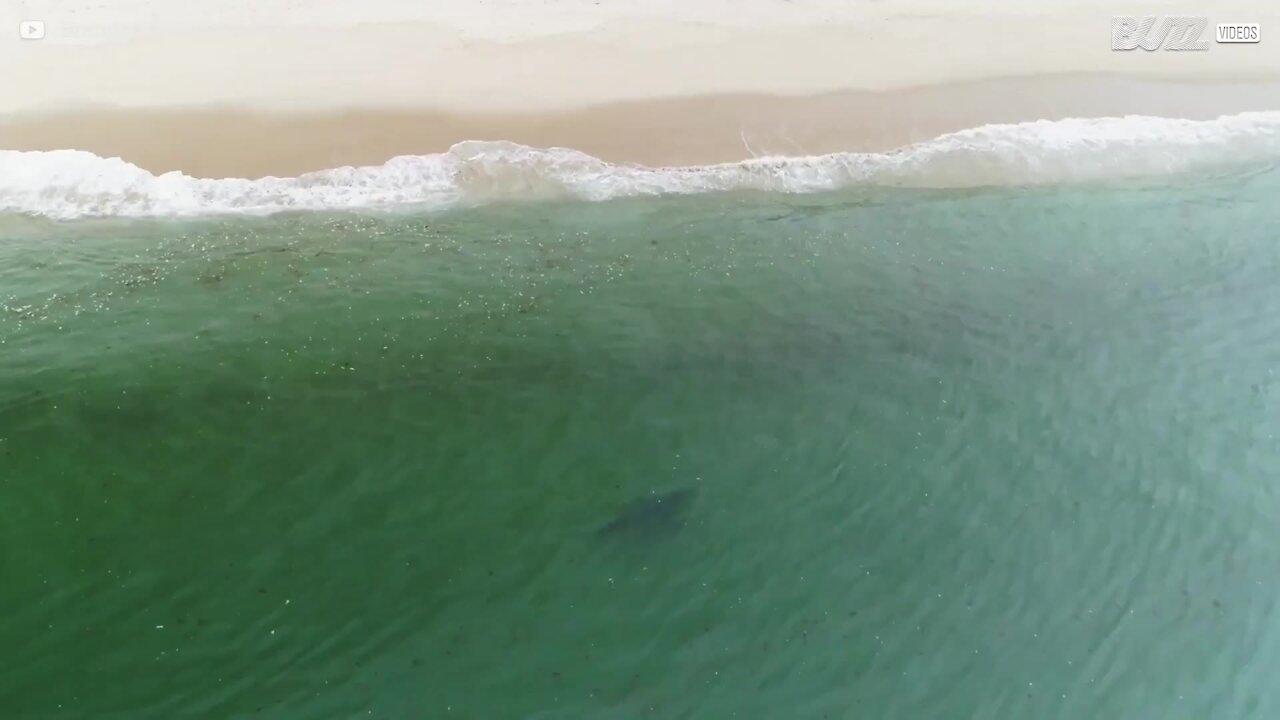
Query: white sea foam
[(67, 184)]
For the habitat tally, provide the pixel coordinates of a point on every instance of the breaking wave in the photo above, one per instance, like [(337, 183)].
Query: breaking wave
[(65, 184)]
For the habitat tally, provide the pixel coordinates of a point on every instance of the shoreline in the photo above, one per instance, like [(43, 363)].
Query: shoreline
[(216, 142), (254, 88)]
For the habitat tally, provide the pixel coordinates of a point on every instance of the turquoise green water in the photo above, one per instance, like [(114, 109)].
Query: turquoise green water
[(990, 454)]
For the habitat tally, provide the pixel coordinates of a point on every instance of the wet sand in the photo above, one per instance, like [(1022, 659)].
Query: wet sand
[(238, 142)]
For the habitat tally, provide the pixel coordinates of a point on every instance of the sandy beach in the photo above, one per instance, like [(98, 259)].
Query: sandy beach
[(241, 89)]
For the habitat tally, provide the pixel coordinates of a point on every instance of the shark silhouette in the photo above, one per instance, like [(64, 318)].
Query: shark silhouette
[(653, 517)]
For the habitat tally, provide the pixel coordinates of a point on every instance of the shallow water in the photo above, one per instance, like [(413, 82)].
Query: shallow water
[(69, 184), (983, 454)]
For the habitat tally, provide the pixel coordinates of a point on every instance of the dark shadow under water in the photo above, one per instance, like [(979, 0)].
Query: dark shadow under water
[(650, 519)]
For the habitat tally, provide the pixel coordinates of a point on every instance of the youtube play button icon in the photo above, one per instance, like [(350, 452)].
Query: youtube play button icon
[(31, 30)]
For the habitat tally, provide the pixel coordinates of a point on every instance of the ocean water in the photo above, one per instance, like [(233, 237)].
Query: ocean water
[(964, 449)]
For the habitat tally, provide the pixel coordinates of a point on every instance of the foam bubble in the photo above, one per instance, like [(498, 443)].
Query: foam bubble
[(65, 184)]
